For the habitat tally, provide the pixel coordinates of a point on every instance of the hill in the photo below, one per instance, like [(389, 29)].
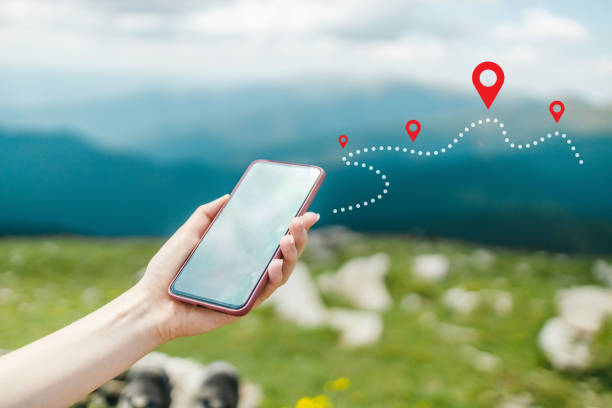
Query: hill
[(54, 182)]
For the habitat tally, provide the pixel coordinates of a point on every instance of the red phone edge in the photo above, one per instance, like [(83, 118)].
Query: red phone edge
[(264, 278)]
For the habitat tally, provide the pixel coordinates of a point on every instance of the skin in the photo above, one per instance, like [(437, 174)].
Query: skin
[(63, 367)]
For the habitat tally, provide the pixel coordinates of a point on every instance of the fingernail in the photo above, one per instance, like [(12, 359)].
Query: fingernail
[(301, 221), (318, 216), (291, 239)]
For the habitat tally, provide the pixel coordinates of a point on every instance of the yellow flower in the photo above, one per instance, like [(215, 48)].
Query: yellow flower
[(341, 384), (305, 403), (320, 401)]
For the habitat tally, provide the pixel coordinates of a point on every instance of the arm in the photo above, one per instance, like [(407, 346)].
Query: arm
[(63, 367)]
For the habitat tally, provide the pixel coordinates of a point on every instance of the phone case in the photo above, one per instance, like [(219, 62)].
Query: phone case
[(264, 277)]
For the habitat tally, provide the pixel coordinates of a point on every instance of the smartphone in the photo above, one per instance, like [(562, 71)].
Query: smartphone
[(227, 269)]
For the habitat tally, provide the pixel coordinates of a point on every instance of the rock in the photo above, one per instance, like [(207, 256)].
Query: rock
[(298, 300), (523, 269), (563, 345), (411, 302), (566, 340), (452, 333), (482, 258), (50, 248), (503, 302), (324, 242), (358, 328), (7, 295), (361, 281), (16, 257), (460, 300), (431, 268), (91, 296), (481, 360), (585, 307), (517, 401), (602, 271), (464, 302)]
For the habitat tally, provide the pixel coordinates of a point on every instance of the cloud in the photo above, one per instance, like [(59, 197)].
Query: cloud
[(244, 41), (538, 24)]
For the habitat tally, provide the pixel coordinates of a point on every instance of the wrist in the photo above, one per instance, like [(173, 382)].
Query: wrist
[(143, 316)]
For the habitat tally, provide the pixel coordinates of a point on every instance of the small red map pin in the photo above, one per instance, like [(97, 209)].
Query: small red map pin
[(413, 127), (488, 93), (555, 114), (343, 140)]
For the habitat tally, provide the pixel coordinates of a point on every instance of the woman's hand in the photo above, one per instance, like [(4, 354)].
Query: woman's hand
[(77, 358), (171, 318)]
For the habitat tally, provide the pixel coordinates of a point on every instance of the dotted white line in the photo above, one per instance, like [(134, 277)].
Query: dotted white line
[(383, 177), (456, 140), (437, 152)]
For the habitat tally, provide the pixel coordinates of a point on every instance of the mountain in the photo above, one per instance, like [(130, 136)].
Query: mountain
[(54, 182), (59, 184), (295, 121)]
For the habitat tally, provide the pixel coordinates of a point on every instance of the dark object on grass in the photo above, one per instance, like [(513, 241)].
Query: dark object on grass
[(220, 388), (146, 389)]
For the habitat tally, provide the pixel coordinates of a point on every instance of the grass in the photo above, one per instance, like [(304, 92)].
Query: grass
[(47, 283)]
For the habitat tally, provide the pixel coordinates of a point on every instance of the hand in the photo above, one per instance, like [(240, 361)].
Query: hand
[(173, 318)]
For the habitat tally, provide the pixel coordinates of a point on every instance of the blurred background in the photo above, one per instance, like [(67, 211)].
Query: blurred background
[(118, 118)]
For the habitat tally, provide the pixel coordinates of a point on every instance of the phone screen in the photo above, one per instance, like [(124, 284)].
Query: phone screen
[(239, 245)]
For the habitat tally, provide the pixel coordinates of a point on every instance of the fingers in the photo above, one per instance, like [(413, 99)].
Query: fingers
[(204, 214), (275, 273), (292, 245), (174, 251), (290, 256), (275, 279), (299, 227)]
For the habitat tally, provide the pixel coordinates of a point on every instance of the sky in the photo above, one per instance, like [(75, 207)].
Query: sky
[(87, 48)]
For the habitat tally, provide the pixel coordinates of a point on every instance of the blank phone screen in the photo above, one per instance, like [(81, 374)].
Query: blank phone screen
[(239, 245)]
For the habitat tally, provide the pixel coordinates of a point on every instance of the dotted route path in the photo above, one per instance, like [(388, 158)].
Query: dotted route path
[(351, 159)]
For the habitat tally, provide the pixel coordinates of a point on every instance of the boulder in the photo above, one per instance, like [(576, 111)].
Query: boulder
[(360, 281), (430, 267)]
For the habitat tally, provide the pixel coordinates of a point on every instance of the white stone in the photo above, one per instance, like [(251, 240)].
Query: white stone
[(411, 302), (452, 333), (503, 303), (298, 300), (602, 271), (431, 267), (481, 360), (482, 258), (585, 307), (565, 340), (358, 328), (361, 281), (564, 346), (464, 302), (517, 401), (91, 296), (460, 300), (7, 295)]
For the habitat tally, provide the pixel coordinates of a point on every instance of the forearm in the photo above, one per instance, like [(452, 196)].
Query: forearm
[(63, 367)]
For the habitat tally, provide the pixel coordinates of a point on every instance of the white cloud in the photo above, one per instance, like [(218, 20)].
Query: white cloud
[(538, 24), (241, 41)]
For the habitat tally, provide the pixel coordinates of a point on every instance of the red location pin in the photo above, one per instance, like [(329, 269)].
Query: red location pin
[(416, 126), (557, 115), (343, 140), (488, 93)]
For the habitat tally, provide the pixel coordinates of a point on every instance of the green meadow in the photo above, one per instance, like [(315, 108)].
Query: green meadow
[(46, 283)]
